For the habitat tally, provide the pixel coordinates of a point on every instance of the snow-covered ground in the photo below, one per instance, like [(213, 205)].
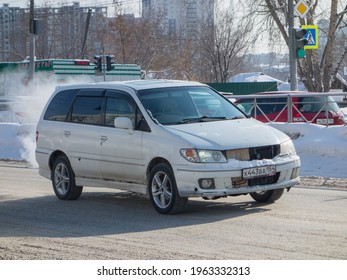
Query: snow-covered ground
[(323, 150)]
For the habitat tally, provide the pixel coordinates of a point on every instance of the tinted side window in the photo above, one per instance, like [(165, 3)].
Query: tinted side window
[(60, 105), (267, 105), (87, 110), (281, 102), (120, 104), (118, 107)]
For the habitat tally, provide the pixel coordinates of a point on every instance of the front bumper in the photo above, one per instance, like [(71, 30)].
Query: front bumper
[(227, 176)]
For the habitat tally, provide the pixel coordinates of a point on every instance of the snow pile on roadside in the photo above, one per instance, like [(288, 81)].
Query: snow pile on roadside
[(17, 142), (323, 150)]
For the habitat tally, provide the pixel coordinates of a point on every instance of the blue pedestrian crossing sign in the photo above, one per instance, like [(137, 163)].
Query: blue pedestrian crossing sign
[(311, 36)]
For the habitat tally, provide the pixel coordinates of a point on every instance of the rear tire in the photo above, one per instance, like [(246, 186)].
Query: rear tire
[(63, 180), (163, 191), (267, 196)]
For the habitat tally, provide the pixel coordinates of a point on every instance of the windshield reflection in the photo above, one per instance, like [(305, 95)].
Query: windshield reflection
[(180, 105)]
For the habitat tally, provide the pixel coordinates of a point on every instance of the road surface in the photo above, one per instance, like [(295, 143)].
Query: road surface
[(306, 223)]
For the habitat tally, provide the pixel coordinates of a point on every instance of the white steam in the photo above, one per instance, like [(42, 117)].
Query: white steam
[(27, 102)]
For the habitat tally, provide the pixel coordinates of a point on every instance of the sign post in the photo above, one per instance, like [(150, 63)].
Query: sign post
[(292, 56)]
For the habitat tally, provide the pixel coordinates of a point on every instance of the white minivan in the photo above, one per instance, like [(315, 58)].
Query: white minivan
[(169, 139)]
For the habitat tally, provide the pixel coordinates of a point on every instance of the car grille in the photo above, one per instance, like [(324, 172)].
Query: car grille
[(257, 153), (266, 180)]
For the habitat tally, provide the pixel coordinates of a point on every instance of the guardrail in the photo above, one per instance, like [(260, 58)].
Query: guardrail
[(319, 108)]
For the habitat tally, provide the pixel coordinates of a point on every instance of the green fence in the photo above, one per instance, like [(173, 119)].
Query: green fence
[(244, 87)]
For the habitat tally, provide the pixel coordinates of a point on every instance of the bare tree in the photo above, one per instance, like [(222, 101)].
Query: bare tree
[(136, 40), (225, 43), (145, 41), (319, 68)]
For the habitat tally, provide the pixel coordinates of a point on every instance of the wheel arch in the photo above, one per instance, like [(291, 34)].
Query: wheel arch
[(153, 163), (54, 156)]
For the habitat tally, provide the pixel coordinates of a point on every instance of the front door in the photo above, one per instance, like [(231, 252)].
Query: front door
[(121, 149)]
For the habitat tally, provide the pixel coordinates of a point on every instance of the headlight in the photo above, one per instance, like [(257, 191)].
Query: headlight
[(287, 148), (194, 155)]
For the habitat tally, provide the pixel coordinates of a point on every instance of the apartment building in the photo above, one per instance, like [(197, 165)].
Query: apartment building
[(182, 17), (63, 33), (13, 32)]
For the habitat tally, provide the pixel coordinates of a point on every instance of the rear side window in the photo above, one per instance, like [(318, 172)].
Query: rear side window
[(87, 110), (60, 105), (272, 105), (266, 105)]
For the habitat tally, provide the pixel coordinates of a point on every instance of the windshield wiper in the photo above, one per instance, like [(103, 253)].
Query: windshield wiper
[(237, 118), (208, 119), (202, 119)]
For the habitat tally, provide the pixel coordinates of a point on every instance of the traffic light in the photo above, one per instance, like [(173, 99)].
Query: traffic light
[(109, 62), (300, 42), (98, 65)]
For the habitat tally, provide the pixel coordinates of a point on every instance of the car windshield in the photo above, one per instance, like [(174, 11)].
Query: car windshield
[(178, 105)]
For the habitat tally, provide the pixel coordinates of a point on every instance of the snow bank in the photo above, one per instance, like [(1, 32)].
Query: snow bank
[(17, 141), (323, 150)]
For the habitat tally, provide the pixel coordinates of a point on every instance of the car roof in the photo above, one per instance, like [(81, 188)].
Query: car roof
[(147, 84), (284, 92), (290, 92), (134, 84)]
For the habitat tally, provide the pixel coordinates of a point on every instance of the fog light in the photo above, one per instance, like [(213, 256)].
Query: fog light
[(206, 183), (295, 173)]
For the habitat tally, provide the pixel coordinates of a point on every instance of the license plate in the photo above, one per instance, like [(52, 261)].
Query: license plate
[(325, 121), (258, 171)]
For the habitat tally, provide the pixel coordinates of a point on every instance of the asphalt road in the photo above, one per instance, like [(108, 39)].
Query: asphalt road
[(306, 223)]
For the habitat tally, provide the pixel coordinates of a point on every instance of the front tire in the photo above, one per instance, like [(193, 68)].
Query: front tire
[(267, 196), (63, 180), (163, 191)]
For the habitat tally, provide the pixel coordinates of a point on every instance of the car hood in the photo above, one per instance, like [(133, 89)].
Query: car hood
[(228, 134)]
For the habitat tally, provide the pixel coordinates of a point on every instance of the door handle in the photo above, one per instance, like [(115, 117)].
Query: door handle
[(67, 133), (103, 138)]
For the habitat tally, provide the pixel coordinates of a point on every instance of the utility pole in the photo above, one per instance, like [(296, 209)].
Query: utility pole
[(32, 41), (86, 32), (292, 55)]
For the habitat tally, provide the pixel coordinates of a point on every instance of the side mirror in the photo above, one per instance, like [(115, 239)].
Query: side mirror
[(123, 123)]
